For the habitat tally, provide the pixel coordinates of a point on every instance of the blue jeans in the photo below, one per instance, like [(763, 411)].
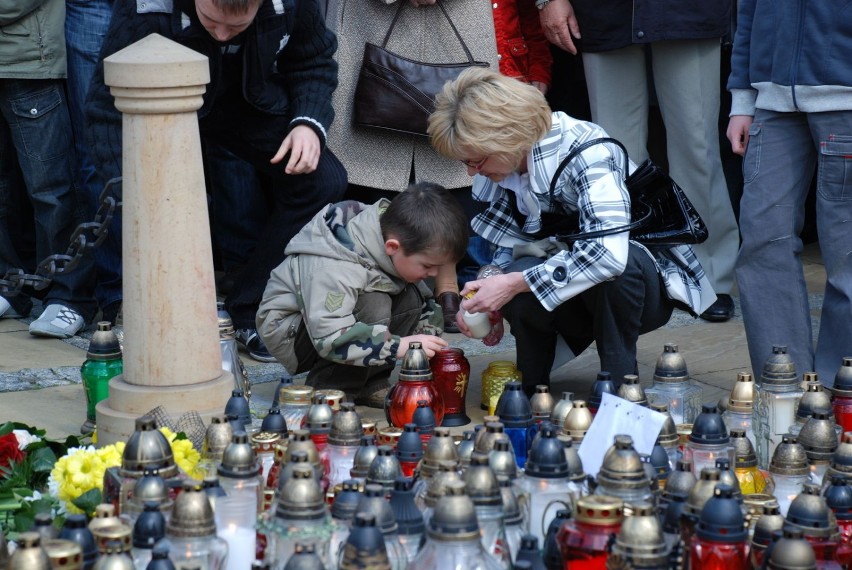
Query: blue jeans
[(35, 133), (86, 24), (783, 151)]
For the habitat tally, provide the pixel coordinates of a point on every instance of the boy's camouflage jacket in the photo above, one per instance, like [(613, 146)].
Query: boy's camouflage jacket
[(336, 257)]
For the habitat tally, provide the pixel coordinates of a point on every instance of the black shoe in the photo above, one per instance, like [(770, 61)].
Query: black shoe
[(720, 311), (250, 341)]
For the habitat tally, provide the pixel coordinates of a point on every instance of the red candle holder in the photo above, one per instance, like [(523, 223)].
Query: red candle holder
[(451, 373)]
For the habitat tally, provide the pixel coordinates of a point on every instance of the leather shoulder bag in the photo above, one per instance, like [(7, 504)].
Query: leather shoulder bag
[(397, 93), (661, 214)]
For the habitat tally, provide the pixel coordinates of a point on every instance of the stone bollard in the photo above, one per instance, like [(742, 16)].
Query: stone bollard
[(171, 350)]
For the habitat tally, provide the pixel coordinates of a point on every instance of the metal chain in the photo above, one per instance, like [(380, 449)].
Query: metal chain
[(86, 237)]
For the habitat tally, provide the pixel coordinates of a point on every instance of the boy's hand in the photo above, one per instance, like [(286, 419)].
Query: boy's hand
[(738, 126), (303, 144), (430, 343)]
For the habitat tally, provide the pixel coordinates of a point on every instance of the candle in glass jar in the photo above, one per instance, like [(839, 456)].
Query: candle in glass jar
[(241, 546)]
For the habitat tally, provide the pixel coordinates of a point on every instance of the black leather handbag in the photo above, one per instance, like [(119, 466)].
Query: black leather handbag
[(397, 93), (661, 214)]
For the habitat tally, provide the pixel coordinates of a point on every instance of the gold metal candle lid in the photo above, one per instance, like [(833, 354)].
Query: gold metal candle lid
[(454, 517), (239, 460), (439, 448), (218, 436), (293, 394), (578, 420), (641, 539), (120, 533), (744, 454), (265, 441), (671, 365), (622, 466), (346, 429), (415, 364), (789, 458), (599, 510), (542, 402), (703, 490), (192, 515), (742, 394), (779, 369), (63, 554), (104, 344), (631, 390), (668, 434), (30, 555), (148, 448)]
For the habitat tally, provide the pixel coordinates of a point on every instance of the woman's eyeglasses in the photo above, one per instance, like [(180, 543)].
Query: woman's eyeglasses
[(474, 164)]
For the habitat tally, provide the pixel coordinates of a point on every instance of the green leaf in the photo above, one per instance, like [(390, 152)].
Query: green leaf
[(43, 460), (88, 501), (180, 435), (6, 428)]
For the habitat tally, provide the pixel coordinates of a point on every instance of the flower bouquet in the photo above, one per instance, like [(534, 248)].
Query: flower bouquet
[(27, 457)]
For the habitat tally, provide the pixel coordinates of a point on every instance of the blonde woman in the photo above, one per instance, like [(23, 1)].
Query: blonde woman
[(606, 290)]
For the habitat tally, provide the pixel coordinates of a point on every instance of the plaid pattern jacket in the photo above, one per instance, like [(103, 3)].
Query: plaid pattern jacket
[(592, 185)]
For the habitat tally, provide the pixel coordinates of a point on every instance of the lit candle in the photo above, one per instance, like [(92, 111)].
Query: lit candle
[(241, 546)]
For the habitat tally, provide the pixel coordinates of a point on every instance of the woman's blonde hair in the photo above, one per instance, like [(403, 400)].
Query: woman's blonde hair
[(485, 113)]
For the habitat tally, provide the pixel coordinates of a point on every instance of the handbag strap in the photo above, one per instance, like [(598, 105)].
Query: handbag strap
[(561, 168), (447, 16)]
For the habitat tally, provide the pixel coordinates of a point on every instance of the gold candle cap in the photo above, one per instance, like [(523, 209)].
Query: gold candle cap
[(30, 555), (741, 398), (671, 365), (631, 390), (148, 448), (293, 394), (192, 515), (64, 554), (599, 510), (578, 420)]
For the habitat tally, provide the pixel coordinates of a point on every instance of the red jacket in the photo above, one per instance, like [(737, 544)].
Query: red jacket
[(522, 49)]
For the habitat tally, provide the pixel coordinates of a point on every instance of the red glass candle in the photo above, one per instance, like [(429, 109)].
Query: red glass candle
[(720, 541), (842, 395), (584, 540), (415, 384), (451, 373)]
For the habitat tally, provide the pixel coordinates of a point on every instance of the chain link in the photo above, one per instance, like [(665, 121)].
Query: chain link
[(86, 237)]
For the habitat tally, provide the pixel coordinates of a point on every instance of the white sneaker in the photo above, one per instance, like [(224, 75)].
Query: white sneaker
[(6, 310), (57, 321)]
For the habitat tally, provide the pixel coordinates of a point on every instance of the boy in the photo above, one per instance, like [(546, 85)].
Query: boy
[(347, 300)]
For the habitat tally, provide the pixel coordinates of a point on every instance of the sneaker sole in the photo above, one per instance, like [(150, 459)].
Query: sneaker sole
[(51, 333)]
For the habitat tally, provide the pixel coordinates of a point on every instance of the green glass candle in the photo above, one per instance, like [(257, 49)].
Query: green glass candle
[(103, 362)]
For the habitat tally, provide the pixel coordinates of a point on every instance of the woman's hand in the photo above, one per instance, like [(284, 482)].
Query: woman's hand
[(494, 292)]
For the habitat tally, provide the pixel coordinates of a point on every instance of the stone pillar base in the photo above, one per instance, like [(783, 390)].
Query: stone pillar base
[(116, 416)]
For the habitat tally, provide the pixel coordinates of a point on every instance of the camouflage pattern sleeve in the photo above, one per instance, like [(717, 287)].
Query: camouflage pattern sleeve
[(359, 345), (431, 318)]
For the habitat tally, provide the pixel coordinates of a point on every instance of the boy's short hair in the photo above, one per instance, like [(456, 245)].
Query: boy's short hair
[(484, 113), (426, 217), (233, 7)]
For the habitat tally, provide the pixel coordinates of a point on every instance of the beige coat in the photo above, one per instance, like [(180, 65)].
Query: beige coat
[(383, 159)]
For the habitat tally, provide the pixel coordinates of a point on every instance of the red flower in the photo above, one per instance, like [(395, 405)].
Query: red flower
[(9, 450)]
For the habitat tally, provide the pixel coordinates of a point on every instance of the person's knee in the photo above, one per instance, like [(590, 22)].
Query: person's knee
[(373, 308)]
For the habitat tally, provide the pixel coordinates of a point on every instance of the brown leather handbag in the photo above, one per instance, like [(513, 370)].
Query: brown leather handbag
[(397, 93)]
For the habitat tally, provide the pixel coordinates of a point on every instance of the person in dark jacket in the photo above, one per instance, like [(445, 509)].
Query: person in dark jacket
[(791, 112), (268, 102), (37, 158), (682, 38)]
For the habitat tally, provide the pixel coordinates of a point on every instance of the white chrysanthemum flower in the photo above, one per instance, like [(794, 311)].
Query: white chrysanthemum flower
[(24, 438)]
